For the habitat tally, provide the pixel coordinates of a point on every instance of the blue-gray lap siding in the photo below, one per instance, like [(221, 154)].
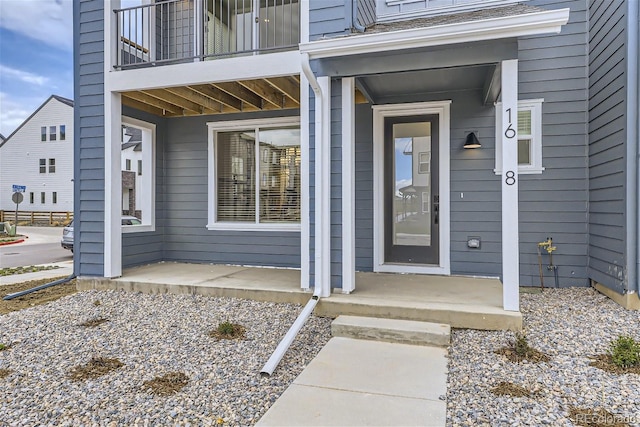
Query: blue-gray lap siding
[(186, 237), (607, 136), (89, 141), (553, 203)]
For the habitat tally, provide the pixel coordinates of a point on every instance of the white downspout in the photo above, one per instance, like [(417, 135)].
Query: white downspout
[(320, 288)]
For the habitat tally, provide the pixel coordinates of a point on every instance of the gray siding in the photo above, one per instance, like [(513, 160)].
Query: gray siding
[(607, 135), (328, 18), (147, 247), (366, 12), (185, 195), (89, 140)]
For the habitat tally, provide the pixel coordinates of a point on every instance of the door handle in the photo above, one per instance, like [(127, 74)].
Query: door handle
[(436, 209)]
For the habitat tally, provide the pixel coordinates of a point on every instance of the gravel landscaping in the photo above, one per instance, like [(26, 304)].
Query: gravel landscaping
[(156, 338), (569, 326)]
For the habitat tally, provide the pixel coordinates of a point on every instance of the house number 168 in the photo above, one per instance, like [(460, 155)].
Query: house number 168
[(510, 132)]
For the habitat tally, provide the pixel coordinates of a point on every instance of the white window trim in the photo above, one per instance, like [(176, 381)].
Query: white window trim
[(148, 180), (442, 109), (226, 126), (535, 106)]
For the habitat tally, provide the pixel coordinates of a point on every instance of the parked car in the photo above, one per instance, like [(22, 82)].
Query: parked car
[(67, 232)]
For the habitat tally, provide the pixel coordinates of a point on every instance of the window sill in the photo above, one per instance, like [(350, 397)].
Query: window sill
[(237, 226), (127, 229), (522, 171)]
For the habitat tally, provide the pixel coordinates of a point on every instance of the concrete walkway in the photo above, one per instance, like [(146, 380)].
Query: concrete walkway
[(354, 382), (64, 269)]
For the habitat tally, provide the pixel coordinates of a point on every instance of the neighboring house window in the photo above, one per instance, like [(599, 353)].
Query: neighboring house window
[(138, 195), (254, 177), (43, 165), (43, 133), (54, 197), (42, 198), (63, 132), (529, 137), (52, 133), (31, 197), (52, 165)]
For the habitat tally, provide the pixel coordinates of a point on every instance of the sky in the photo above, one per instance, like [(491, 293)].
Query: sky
[(36, 57)]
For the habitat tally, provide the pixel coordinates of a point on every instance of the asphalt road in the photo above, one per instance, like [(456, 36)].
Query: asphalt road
[(42, 247)]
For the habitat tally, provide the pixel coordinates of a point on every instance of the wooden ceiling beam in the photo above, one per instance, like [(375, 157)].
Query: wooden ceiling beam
[(287, 86), (265, 91), (142, 106), (241, 93), (219, 96), (155, 102), (208, 104), (166, 96)]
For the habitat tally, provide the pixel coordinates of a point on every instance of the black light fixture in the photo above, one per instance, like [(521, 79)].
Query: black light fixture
[(472, 141)]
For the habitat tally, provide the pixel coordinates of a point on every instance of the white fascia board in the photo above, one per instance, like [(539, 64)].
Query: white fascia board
[(203, 72), (486, 29)]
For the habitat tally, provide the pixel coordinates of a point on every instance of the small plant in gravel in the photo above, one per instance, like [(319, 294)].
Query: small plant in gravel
[(97, 303), (229, 331), (4, 346), (596, 418), (169, 383), (505, 388), (519, 350), (92, 323), (4, 373), (95, 368), (623, 357), (625, 352)]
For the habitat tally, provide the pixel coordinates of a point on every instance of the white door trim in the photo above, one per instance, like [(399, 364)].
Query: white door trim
[(442, 109)]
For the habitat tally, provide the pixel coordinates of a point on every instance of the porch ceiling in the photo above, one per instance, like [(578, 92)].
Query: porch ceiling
[(275, 93)]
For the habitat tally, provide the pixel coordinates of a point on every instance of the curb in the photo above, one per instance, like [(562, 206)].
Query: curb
[(13, 242)]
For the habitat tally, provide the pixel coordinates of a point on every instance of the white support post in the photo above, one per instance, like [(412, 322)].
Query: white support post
[(304, 183), (323, 190), (112, 185), (348, 186), (509, 178)]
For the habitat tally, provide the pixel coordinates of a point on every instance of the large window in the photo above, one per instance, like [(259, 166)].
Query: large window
[(43, 165), (52, 165), (529, 137), (254, 177), (63, 132)]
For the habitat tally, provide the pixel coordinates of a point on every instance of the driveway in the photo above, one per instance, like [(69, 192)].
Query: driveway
[(42, 247)]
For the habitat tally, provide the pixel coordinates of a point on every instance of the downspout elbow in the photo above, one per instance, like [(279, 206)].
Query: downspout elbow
[(354, 17), (313, 82)]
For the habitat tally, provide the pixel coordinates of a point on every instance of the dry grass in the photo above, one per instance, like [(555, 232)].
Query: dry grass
[(167, 384), (36, 298), (4, 373), (96, 367), (505, 388), (532, 355), (605, 362), (596, 418), (92, 323)]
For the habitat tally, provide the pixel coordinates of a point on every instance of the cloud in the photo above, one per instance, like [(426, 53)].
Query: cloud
[(23, 76), (14, 111), (50, 21)]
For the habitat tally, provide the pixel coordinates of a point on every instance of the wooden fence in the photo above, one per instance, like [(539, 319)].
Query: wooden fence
[(37, 218)]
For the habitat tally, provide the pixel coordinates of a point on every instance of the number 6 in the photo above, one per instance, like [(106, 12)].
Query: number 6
[(510, 132)]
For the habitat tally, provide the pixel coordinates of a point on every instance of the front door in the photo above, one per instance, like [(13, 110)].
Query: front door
[(411, 199)]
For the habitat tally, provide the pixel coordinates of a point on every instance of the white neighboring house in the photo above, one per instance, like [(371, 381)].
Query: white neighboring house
[(39, 155)]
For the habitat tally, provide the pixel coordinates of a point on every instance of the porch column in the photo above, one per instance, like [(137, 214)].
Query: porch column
[(112, 185), (323, 189), (509, 178), (348, 186)]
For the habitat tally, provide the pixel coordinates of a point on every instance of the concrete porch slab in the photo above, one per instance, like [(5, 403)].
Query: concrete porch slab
[(461, 302), (392, 330)]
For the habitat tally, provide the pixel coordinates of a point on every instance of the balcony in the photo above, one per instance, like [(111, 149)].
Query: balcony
[(177, 31)]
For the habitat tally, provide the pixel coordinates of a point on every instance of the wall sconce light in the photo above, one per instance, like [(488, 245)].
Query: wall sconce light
[(472, 141)]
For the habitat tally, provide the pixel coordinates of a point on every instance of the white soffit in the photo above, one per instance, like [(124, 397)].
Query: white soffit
[(546, 22)]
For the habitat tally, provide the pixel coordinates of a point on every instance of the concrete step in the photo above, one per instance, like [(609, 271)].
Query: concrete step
[(392, 330)]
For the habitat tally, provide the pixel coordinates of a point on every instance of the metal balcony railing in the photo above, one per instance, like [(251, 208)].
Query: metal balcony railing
[(173, 31)]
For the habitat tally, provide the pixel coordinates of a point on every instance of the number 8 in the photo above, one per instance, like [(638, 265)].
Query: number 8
[(510, 178)]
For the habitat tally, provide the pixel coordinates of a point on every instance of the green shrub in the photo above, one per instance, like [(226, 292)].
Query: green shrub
[(625, 352)]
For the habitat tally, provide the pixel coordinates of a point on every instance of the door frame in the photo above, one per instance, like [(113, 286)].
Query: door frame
[(380, 112)]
